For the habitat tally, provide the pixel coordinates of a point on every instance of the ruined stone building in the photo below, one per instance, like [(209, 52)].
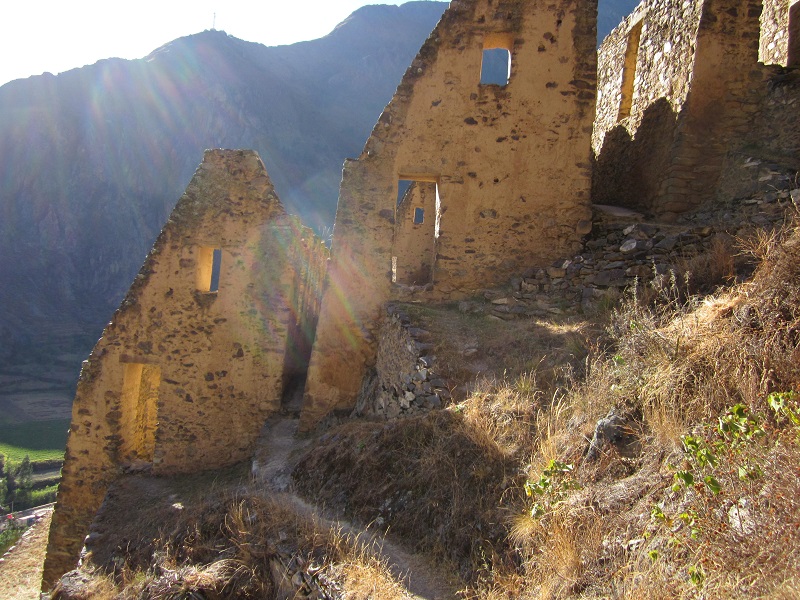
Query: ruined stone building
[(470, 177), (217, 322), (680, 90), (499, 174)]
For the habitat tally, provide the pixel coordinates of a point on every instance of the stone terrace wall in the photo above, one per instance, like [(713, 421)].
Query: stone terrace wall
[(404, 382), (624, 249), (771, 145), (512, 165), (185, 375)]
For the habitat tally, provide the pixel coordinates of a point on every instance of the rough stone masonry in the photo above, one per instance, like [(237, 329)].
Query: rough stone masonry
[(197, 356), (500, 172)]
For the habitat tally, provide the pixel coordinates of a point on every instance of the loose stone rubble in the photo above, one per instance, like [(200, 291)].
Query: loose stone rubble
[(405, 382)]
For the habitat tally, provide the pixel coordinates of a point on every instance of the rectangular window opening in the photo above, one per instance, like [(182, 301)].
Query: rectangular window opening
[(139, 418), (403, 186), (209, 262), (629, 71), (496, 67), (419, 216), (216, 263), (793, 57)]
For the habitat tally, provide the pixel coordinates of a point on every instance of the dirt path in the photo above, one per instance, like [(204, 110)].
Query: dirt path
[(21, 569), (278, 451)]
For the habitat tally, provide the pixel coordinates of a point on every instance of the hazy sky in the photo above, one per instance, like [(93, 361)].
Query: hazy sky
[(58, 35)]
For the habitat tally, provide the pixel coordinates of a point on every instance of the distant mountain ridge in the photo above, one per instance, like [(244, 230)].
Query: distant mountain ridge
[(94, 159)]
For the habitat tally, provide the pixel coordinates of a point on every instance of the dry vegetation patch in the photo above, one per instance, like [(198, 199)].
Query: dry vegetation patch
[(214, 536), (659, 459), (623, 500), (471, 347)]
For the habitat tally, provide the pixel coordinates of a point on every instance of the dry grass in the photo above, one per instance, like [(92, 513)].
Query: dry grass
[(232, 544), (452, 482), (470, 348), (364, 576), (671, 365), (243, 547)]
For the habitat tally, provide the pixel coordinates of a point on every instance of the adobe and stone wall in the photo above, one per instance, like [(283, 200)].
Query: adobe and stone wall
[(415, 240), (511, 163), (649, 57), (194, 360)]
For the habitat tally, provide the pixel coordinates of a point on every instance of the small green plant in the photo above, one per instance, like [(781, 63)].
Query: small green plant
[(697, 575), (737, 429), (785, 406), (700, 455), (552, 487), (689, 518), (657, 514)]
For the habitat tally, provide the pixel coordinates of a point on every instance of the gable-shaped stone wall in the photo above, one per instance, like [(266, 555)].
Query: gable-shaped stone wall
[(194, 360), (511, 164)]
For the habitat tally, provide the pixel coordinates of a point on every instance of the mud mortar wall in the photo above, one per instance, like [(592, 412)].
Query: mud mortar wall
[(184, 376), (512, 166), (414, 250)]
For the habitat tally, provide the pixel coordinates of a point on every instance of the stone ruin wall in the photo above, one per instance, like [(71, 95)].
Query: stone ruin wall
[(775, 31), (405, 381), (489, 148), (667, 154), (414, 245), (771, 144), (651, 57), (184, 377), (661, 36)]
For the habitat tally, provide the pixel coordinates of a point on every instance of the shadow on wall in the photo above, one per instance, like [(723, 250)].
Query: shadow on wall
[(628, 170)]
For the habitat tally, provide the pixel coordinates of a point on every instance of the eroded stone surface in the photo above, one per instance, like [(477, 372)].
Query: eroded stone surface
[(679, 88), (188, 370)]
